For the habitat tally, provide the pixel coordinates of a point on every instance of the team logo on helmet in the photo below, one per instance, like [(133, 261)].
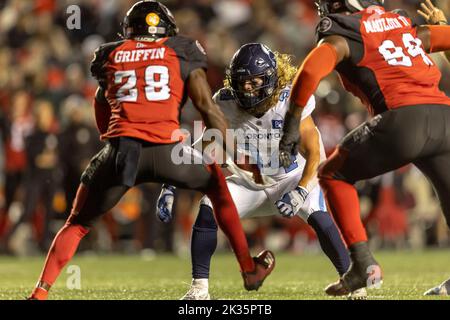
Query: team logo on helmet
[(261, 63), (325, 25), (152, 19)]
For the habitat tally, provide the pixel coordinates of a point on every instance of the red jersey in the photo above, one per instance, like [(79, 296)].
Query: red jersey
[(145, 83), (388, 67)]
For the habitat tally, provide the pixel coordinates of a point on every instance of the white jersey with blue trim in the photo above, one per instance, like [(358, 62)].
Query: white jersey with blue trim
[(261, 136)]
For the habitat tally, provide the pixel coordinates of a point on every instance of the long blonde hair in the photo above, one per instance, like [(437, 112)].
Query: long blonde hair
[(286, 72)]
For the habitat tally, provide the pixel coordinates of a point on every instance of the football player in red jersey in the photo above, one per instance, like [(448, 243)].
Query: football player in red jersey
[(435, 16), (144, 81), (381, 58)]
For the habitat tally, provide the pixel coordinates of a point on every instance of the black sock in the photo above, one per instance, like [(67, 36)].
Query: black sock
[(203, 243), (330, 240)]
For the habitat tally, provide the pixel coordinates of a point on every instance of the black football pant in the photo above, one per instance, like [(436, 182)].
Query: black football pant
[(413, 134), (126, 162)]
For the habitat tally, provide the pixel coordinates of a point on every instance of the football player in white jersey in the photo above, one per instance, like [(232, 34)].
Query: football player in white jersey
[(255, 99)]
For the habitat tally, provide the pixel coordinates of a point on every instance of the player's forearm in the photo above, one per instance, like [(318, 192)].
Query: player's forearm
[(215, 119), (309, 177), (439, 38), (310, 149), (102, 111), (317, 65)]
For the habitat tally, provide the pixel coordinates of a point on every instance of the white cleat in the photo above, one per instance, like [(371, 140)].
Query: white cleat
[(359, 294), (198, 290), (441, 290)]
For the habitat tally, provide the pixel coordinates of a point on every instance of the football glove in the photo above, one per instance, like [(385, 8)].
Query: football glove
[(165, 203), (432, 15), (291, 203), (289, 143)]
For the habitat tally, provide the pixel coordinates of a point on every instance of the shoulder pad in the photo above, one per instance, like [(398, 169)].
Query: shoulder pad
[(101, 57), (404, 13), (340, 25)]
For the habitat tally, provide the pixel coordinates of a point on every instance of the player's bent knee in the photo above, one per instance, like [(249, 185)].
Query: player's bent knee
[(205, 219), (206, 202), (330, 169)]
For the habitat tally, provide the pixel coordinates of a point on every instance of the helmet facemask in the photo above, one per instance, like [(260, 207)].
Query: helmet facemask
[(250, 99), (253, 61)]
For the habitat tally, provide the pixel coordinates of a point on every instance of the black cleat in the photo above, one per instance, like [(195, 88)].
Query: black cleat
[(363, 272)]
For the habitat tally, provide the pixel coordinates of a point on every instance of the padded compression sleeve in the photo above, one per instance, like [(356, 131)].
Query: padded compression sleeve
[(318, 64), (439, 38), (102, 115)]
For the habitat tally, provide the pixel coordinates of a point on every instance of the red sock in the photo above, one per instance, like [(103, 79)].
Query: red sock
[(39, 294), (3, 222), (342, 200), (62, 250), (228, 219)]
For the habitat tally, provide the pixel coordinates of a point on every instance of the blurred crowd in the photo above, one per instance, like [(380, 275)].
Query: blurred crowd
[(48, 132)]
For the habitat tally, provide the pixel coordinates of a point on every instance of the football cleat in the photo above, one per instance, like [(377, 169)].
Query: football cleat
[(198, 290), (38, 294), (337, 289), (363, 272), (441, 290), (359, 294), (264, 264)]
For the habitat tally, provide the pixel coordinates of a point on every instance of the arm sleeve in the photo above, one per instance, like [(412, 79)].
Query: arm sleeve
[(317, 65), (439, 38), (102, 112)]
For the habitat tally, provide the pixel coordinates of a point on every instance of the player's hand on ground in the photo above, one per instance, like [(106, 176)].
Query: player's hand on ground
[(291, 203), (432, 14), (165, 203)]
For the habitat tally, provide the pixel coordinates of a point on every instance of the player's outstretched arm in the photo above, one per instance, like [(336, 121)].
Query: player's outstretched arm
[(201, 95), (433, 16), (318, 64), (310, 150)]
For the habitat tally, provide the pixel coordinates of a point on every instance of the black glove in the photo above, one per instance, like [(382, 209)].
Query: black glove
[(290, 141)]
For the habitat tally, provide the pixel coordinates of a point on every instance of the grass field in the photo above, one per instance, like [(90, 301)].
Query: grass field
[(407, 276)]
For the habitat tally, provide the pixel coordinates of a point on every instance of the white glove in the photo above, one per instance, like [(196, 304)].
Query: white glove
[(290, 204)]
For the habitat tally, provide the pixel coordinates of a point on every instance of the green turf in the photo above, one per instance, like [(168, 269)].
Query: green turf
[(407, 276)]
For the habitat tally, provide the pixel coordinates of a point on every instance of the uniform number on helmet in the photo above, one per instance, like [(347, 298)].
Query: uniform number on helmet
[(396, 56), (156, 80)]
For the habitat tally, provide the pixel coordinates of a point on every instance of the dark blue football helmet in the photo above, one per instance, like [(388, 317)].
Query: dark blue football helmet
[(250, 61), (335, 6)]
